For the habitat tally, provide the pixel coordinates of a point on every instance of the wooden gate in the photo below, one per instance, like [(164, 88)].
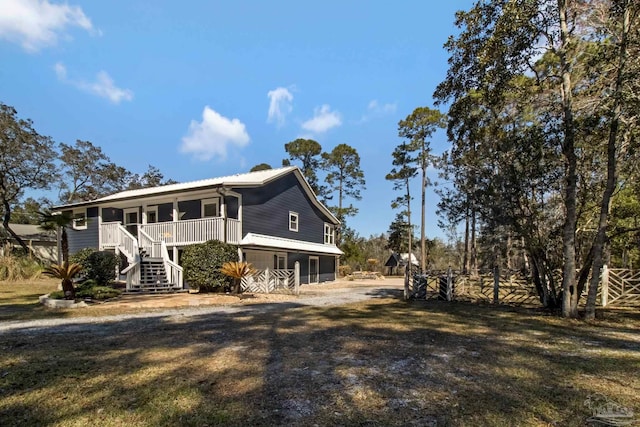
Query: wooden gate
[(270, 280), (620, 287)]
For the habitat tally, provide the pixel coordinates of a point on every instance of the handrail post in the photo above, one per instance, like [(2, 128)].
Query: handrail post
[(496, 284), (296, 278), (605, 286), (266, 279)]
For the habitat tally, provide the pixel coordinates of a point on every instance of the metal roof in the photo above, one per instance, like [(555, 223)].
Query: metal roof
[(249, 179)]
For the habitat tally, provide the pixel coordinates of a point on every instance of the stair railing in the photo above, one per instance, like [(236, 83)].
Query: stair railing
[(173, 270), (133, 274), (152, 247), (128, 244)]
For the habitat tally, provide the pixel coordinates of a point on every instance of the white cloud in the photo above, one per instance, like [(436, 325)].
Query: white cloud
[(279, 105), (374, 109), (103, 86), (61, 71), (35, 24), (323, 120), (213, 135)]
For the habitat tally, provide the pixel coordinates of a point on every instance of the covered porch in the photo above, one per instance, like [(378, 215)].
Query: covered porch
[(179, 221)]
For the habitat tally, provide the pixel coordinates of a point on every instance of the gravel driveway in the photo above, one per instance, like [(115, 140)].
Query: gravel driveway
[(333, 294)]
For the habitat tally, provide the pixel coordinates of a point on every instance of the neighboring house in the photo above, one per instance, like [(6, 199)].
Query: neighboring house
[(397, 262), (42, 243), (272, 215)]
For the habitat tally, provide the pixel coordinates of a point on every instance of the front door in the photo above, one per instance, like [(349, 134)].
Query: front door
[(131, 221), (313, 269)]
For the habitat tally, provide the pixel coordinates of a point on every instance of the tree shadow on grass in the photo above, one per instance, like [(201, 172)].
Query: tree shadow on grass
[(373, 363)]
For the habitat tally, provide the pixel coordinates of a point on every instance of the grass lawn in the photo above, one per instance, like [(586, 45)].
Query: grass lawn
[(381, 362), (19, 300)]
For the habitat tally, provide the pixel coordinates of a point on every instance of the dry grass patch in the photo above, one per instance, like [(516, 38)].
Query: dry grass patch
[(382, 362), (19, 300)]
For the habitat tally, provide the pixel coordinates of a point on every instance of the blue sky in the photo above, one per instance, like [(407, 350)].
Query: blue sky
[(202, 89)]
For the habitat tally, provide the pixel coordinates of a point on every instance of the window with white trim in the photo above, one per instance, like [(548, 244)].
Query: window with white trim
[(329, 234), (79, 220), (293, 221), (210, 208), (152, 214)]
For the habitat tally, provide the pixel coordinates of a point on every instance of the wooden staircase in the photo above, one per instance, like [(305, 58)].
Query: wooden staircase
[(153, 276), (150, 267)]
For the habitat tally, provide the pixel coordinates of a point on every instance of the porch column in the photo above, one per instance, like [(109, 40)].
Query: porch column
[(175, 219), (223, 214), (100, 228)]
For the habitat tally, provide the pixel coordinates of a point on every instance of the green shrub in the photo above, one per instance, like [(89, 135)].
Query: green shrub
[(98, 292), (82, 257), (57, 295), (101, 267), (89, 289), (202, 263)]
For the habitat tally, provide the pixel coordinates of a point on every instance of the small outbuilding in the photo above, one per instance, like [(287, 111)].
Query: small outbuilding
[(42, 243), (397, 262)]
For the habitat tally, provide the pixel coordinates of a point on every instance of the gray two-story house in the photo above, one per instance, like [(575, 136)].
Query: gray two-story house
[(272, 215)]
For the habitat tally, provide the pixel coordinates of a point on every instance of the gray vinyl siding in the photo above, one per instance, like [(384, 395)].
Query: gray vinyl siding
[(80, 239), (265, 210)]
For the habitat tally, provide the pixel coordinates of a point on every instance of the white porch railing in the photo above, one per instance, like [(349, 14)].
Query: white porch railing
[(194, 231)]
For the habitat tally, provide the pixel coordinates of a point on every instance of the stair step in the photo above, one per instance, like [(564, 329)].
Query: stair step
[(145, 289)]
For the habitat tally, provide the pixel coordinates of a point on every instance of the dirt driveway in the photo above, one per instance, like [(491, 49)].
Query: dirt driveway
[(187, 305)]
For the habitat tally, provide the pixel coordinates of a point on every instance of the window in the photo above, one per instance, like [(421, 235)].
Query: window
[(210, 208), (329, 236), (152, 215), (293, 221), (280, 261), (79, 220)]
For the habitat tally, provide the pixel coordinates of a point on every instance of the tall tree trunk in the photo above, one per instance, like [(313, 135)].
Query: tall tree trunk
[(612, 176), (410, 252), (423, 246), (68, 289), (569, 292), (467, 243), (340, 215), (473, 262), (5, 223), (64, 245)]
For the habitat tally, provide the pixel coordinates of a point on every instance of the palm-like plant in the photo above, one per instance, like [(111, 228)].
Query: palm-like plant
[(58, 222), (66, 272), (237, 270)]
